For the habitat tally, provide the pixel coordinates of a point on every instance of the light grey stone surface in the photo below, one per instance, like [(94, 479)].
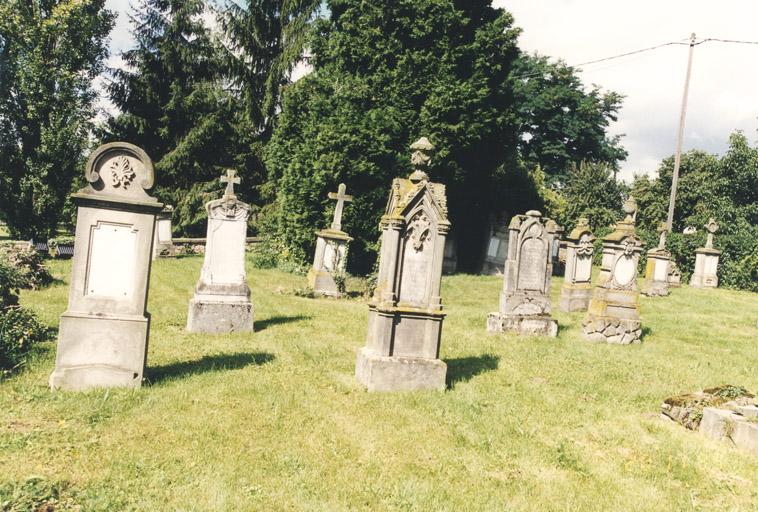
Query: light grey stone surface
[(103, 334), (405, 312), (222, 297), (656, 282), (330, 256), (613, 315), (525, 297), (706, 261), (163, 244), (729, 425), (577, 283), (675, 275)]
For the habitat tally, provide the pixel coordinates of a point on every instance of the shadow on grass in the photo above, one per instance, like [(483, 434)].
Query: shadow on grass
[(216, 362), (276, 320), (465, 368)]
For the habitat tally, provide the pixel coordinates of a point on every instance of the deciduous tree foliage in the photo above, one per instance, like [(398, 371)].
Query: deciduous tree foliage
[(50, 51), (386, 73), (725, 188)]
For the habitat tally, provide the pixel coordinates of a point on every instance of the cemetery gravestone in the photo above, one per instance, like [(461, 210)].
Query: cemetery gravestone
[(613, 315), (102, 339), (525, 298), (163, 244), (657, 269), (330, 257), (221, 302), (405, 312), (706, 261), (577, 283), (675, 275)]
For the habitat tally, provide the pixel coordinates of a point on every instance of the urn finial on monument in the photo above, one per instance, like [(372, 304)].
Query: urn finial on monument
[(421, 158)]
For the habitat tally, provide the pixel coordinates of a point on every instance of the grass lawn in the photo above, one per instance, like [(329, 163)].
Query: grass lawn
[(276, 421)]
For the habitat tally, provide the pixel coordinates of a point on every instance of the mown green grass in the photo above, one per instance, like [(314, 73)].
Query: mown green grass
[(276, 421)]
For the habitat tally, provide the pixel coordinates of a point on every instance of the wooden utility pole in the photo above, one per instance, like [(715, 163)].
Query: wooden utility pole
[(680, 136)]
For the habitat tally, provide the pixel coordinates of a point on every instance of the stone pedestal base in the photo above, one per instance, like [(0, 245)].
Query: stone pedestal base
[(322, 283), (218, 317), (612, 330), (380, 373), (723, 424), (100, 352), (575, 297), (655, 289), (523, 325)]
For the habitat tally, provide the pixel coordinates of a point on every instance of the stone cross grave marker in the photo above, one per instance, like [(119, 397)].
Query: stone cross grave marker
[(221, 302), (656, 282), (330, 257)]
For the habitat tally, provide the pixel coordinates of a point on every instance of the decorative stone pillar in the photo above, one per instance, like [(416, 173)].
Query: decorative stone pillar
[(657, 269), (405, 313), (331, 250), (222, 298), (102, 339), (613, 315), (707, 261), (577, 283), (163, 243), (525, 298)]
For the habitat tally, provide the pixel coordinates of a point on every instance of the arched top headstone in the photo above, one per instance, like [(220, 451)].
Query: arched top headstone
[(121, 171)]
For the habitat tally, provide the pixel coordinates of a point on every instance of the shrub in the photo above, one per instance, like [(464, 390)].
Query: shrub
[(9, 285), (19, 330), (29, 265)]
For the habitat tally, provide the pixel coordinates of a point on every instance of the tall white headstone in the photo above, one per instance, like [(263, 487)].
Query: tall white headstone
[(222, 297), (707, 261), (102, 340)]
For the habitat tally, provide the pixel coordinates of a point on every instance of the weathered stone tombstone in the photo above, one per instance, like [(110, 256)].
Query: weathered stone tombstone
[(163, 244), (497, 247), (613, 315), (706, 261), (559, 267), (102, 339), (525, 297), (577, 283), (675, 275), (405, 312), (657, 268), (221, 302), (330, 258)]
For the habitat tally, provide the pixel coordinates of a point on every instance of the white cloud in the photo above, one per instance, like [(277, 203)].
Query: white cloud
[(724, 85)]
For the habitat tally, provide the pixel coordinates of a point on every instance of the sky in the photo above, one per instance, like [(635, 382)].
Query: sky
[(723, 94)]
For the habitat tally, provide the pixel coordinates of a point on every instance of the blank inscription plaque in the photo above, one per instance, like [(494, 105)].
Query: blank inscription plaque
[(111, 264)]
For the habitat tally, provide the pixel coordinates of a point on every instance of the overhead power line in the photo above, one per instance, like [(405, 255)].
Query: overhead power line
[(683, 42)]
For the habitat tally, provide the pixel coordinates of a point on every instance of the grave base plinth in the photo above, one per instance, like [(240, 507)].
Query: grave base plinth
[(575, 297), (100, 352), (322, 283), (523, 325), (612, 330), (219, 316), (382, 373)]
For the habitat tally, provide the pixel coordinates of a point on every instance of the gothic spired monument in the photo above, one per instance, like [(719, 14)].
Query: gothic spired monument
[(525, 297), (222, 297), (405, 312), (331, 250), (102, 340), (613, 315), (706, 261)]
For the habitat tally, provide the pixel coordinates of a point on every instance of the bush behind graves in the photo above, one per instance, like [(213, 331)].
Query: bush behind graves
[(20, 329), (28, 263)]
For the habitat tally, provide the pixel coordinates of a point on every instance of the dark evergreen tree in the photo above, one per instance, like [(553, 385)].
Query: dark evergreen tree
[(172, 104)]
